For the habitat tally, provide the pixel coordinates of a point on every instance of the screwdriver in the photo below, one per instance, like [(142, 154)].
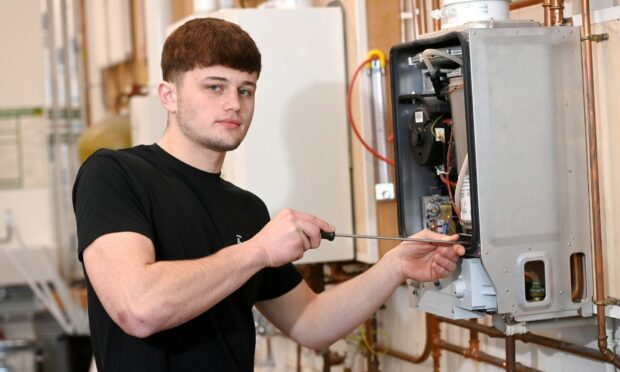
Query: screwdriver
[(332, 235)]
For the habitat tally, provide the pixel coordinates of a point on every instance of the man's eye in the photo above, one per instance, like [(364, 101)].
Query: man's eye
[(214, 88), (245, 92)]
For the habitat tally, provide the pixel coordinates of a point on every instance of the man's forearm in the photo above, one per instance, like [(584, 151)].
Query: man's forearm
[(336, 312), (165, 294), (192, 287)]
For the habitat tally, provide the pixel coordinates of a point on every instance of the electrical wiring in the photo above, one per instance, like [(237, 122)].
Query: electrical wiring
[(361, 340), (426, 57), (459, 183), (446, 177), (433, 125), (350, 114)]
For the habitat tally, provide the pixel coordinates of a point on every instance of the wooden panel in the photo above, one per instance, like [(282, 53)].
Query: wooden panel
[(607, 90), (181, 9), (383, 33)]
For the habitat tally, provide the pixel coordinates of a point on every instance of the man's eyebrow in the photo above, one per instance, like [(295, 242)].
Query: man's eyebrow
[(225, 80)]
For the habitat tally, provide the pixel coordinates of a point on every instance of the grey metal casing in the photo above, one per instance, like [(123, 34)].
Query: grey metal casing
[(527, 152), (467, 294), (530, 151)]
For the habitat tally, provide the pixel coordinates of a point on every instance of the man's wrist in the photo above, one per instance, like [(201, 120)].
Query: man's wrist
[(258, 255), (393, 262)]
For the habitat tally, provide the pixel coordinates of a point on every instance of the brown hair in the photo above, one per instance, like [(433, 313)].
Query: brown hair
[(206, 42)]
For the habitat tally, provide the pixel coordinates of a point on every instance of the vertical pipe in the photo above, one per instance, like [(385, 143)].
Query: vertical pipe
[(436, 344), (436, 22), (403, 27), (423, 16), (414, 20), (547, 12), (474, 341), (372, 362), (557, 12), (83, 62), (595, 201), (511, 360)]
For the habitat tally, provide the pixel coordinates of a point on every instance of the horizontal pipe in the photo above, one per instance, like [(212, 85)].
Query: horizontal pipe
[(551, 343), (483, 357), (523, 4)]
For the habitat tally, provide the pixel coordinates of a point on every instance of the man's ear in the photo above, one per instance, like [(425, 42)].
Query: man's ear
[(168, 96)]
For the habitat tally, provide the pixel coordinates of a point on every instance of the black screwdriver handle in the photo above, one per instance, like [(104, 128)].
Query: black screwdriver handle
[(328, 235)]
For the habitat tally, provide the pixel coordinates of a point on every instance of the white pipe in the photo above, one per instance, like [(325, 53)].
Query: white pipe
[(43, 266), (49, 302)]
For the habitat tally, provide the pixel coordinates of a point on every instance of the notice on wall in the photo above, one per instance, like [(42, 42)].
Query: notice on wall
[(23, 148)]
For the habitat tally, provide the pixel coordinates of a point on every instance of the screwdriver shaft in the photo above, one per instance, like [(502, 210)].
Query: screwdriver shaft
[(331, 236)]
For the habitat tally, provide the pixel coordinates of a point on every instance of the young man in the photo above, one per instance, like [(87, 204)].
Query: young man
[(175, 257)]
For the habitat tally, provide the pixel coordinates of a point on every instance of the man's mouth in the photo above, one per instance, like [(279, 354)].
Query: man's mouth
[(229, 123)]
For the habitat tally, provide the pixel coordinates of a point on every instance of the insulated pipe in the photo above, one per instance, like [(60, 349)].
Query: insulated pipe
[(595, 200)]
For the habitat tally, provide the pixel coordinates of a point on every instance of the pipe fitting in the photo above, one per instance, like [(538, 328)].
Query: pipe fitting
[(607, 302), (597, 38)]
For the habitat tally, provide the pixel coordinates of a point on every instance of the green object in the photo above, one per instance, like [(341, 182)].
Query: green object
[(537, 291)]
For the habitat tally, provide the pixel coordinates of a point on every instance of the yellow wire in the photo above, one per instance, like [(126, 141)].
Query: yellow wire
[(370, 349), (433, 125)]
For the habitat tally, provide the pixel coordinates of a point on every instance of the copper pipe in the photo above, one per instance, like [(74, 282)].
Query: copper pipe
[(423, 16), (531, 276), (519, 4), (547, 12), (436, 22), (474, 341), (414, 20), (595, 200), (435, 343), (408, 357), (511, 351), (484, 357), (577, 278), (433, 339), (557, 12), (372, 362), (532, 339)]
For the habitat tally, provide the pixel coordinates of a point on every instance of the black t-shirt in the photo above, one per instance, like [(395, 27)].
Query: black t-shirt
[(187, 213)]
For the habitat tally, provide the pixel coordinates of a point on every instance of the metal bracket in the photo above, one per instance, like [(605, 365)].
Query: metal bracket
[(607, 302), (597, 38)]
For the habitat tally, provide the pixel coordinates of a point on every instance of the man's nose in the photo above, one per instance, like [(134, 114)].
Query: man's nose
[(232, 101)]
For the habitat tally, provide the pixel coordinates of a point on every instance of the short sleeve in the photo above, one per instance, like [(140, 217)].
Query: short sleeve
[(107, 199), (278, 281)]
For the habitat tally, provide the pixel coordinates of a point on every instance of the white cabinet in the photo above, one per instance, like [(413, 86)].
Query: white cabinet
[(296, 153)]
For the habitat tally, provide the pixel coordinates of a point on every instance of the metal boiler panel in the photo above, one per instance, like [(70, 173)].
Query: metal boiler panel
[(530, 156), (519, 102)]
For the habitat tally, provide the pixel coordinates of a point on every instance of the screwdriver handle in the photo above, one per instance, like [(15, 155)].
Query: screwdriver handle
[(328, 235)]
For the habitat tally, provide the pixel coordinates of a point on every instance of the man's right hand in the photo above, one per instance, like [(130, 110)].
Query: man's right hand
[(288, 236)]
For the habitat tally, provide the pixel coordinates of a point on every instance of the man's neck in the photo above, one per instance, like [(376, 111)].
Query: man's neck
[(191, 153)]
